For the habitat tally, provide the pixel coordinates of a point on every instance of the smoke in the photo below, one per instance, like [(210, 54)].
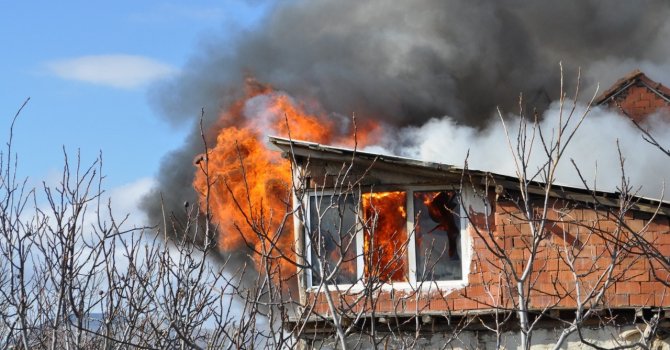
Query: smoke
[(593, 148), (407, 62)]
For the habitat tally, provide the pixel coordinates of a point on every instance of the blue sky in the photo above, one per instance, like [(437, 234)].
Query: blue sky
[(88, 67)]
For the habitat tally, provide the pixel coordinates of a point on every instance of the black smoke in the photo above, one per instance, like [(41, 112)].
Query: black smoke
[(404, 62)]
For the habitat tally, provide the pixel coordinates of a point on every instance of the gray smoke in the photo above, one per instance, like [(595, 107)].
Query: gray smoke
[(407, 62), (593, 149)]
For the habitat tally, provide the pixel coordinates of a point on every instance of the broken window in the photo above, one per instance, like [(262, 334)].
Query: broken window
[(385, 240), (332, 224), (437, 230), (407, 236)]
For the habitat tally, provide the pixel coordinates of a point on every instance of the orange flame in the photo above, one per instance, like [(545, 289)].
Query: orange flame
[(245, 185), (385, 235)]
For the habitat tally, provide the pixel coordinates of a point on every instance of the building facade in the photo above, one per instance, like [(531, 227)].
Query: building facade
[(423, 254)]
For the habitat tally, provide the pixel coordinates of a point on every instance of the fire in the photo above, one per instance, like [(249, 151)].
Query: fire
[(385, 235), (442, 210), (246, 186)]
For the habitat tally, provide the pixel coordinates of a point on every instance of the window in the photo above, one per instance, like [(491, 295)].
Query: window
[(437, 230), (394, 237), (385, 236), (333, 231)]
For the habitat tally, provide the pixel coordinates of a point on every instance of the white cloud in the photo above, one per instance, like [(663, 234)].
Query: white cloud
[(119, 71), (125, 200)]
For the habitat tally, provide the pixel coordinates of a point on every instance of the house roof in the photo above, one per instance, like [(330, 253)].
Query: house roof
[(629, 80), (311, 150)]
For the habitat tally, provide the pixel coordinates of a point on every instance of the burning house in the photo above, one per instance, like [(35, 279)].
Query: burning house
[(443, 254), (380, 250), (451, 241), (396, 242)]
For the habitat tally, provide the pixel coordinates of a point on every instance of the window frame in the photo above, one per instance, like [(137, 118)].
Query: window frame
[(412, 283), (308, 243)]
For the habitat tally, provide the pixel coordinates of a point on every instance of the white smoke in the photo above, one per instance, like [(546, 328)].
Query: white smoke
[(593, 148)]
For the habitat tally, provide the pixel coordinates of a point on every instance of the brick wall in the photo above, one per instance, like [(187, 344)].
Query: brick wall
[(638, 101), (581, 237)]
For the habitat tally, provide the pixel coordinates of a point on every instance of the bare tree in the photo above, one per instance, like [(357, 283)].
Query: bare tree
[(73, 276), (553, 255), (365, 269)]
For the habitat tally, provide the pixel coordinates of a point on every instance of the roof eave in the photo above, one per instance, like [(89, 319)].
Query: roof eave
[(311, 150)]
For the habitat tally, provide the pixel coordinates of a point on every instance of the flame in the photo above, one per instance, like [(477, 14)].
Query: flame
[(441, 209), (244, 185), (385, 236), (348, 265)]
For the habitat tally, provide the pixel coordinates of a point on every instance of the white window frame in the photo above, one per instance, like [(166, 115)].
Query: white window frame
[(412, 284), (308, 243)]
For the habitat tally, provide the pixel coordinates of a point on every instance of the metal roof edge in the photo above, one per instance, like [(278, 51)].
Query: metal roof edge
[(510, 182)]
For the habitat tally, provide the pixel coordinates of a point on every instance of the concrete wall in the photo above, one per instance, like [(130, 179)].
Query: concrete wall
[(607, 337)]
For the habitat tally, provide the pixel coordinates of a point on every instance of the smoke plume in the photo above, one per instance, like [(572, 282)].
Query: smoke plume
[(406, 63), (593, 150)]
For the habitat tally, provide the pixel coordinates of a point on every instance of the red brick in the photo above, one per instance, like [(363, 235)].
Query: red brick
[(465, 304), (508, 242), (617, 300), (565, 276), (516, 254), (542, 301), (546, 288), (325, 309), (636, 225), (520, 242), (478, 242), (661, 274), (554, 253), (642, 103), (567, 301), (628, 287), (544, 277), (637, 275), (659, 224), (491, 294), (442, 304), (606, 227), (475, 278), (663, 298), (659, 103), (639, 264), (501, 220), (660, 238), (584, 264), (518, 218), (519, 266), (626, 104), (651, 287), (545, 264), (475, 291), (641, 299), (488, 303), (414, 305)]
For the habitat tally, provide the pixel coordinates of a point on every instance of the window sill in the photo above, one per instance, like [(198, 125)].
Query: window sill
[(425, 287)]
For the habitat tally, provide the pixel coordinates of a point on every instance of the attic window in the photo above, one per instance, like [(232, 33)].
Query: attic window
[(385, 230), (333, 231), (437, 230), (401, 238)]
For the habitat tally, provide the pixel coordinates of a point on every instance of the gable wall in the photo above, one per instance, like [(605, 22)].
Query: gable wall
[(638, 101)]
